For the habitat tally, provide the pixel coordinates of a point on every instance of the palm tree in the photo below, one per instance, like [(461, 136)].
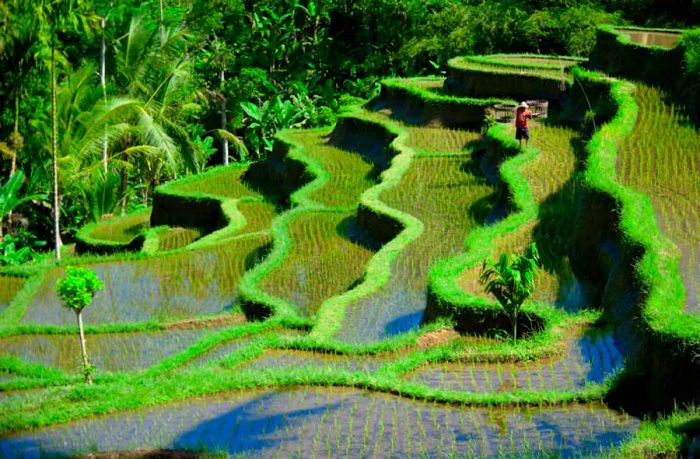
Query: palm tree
[(10, 197), (512, 283), (51, 16), (82, 120)]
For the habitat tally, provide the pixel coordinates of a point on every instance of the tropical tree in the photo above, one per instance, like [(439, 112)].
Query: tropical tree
[(52, 16), (77, 290), (10, 197), (82, 121), (512, 283)]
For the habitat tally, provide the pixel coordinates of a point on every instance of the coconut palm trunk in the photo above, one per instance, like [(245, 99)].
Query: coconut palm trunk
[(54, 153), (103, 83), (223, 118), (86, 363)]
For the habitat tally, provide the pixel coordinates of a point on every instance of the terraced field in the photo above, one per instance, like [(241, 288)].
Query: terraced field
[(331, 361), (661, 158), (337, 423), (444, 194)]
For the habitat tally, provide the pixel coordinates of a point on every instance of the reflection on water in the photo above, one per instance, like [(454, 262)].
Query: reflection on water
[(336, 423)]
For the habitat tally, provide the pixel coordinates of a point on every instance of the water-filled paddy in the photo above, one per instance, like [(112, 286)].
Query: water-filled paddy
[(588, 359), (310, 422), (165, 288), (661, 158)]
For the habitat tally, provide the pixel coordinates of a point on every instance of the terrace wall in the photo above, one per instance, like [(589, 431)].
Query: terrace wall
[(482, 83), (426, 110), (621, 248), (616, 54)]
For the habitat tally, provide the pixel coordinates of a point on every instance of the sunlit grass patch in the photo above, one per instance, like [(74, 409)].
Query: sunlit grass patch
[(9, 286), (322, 261), (661, 158), (121, 229)]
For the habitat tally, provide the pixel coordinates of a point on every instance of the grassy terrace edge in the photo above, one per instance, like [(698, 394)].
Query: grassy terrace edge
[(446, 297), (230, 222), (658, 268)]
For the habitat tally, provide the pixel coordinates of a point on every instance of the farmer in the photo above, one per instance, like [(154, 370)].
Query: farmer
[(522, 131)]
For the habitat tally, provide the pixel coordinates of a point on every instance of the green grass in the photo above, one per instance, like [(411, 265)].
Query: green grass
[(661, 158), (9, 286), (121, 229), (322, 261), (510, 67)]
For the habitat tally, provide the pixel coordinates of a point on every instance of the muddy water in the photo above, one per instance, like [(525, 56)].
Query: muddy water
[(334, 423)]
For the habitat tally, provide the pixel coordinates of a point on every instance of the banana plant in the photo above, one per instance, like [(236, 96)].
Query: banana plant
[(10, 197), (264, 120), (512, 283)]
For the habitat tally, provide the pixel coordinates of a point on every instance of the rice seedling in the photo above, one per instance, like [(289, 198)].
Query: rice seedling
[(263, 424), (287, 359), (175, 238), (442, 192), (9, 286), (661, 158), (225, 183), (351, 172), (121, 229), (108, 351), (168, 287), (509, 67), (550, 176), (323, 261)]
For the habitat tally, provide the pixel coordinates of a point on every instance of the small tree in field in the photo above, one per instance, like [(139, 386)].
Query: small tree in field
[(77, 290), (511, 283)]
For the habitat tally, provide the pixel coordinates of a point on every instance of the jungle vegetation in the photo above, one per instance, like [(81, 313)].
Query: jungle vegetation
[(101, 101)]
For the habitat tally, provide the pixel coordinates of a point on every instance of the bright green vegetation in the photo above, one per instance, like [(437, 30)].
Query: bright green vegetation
[(494, 65), (447, 197), (121, 229), (322, 261), (388, 221), (661, 158), (310, 422)]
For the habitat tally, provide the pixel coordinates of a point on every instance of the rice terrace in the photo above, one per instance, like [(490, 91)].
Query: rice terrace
[(382, 228)]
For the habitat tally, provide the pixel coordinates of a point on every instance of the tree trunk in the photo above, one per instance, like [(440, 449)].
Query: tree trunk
[(160, 4), (515, 328), (54, 156), (86, 364), (223, 117), (123, 189), (13, 164), (103, 83)]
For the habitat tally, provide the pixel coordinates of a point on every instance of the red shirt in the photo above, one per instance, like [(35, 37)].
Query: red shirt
[(521, 116)]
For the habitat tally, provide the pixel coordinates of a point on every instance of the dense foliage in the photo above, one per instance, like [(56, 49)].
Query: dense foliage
[(148, 91)]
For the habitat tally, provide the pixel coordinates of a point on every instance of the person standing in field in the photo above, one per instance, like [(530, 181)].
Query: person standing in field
[(522, 131)]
